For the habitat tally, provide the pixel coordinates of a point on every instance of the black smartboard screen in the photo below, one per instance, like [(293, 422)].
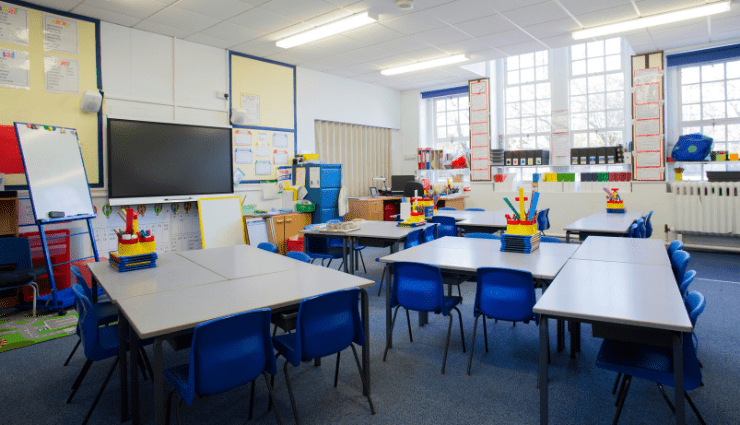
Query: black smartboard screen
[(147, 159)]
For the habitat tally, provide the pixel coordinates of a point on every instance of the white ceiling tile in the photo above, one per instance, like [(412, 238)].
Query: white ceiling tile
[(299, 10), (506, 38), (426, 54), (402, 45), (328, 17), (183, 19), (490, 54), (208, 40), (640, 38), (343, 72), (685, 42), (727, 35), (370, 78), (63, 5), (465, 46), (441, 36), (262, 46), (221, 9), (553, 28), (580, 7), (285, 57), (537, 14), (654, 7), (337, 44), (695, 30), (382, 8), (414, 23), (506, 5), (559, 41), (255, 2), (461, 72), (106, 15), (364, 68), (138, 8), (607, 16), (163, 29), (262, 20), (645, 48), (341, 3), (231, 32), (484, 26), (528, 47), (368, 53), (306, 53), (461, 10), (287, 32), (331, 62), (723, 25), (373, 34)]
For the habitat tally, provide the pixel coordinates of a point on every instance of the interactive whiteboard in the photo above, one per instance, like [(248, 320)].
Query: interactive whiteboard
[(54, 170), (221, 222)]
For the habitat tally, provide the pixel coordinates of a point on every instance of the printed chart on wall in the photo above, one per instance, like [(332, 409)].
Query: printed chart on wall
[(480, 130), (560, 137), (647, 117), (259, 153)]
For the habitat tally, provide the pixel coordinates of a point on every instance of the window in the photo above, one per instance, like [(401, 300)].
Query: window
[(527, 99), (451, 122), (710, 102), (597, 97)]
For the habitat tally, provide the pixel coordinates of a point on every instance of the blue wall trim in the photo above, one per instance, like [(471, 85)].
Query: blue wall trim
[(444, 92), (706, 55), (256, 127)]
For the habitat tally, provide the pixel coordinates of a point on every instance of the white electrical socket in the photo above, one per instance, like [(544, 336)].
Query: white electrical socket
[(222, 95)]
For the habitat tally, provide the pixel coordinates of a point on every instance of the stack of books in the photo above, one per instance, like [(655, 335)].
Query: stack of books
[(520, 243), (132, 262)]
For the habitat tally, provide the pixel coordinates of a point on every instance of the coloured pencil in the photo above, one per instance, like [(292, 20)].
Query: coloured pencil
[(516, 214)]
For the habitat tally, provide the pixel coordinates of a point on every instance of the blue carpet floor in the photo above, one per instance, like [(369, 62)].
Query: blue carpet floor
[(408, 388)]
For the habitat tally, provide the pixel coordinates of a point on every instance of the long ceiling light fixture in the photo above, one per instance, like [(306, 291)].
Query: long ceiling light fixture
[(426, 64), (340, 26), (651, 21)]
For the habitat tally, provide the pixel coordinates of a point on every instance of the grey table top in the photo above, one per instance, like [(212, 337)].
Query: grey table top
[(603, 222), (167, 312), (495, 219), (629, 294), (467, 254), (623, 250), (233, 262), (371, 229), (172, 272)]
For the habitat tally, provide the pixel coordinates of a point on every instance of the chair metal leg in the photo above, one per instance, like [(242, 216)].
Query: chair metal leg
[(177, 411), (79, 379), (290, 393), (620, 391), (393, 323), (73, 352), (458, 291), (382, 278), (142, 367), (363, 262), (100, 393), (340, 265), (628, 380), (693, 407), (251, 400), (336, 371), (35, 295), (485, 331), (322, 262), (272, 397), (462, 333), (408, 321), (274, 331), (616, 383), (447, 344), (472, 341), (665, 397), (168, 412), (362, 378), (144, 364)]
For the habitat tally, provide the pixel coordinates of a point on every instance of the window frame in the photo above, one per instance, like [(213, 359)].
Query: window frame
[(521, 136), (464, 137)]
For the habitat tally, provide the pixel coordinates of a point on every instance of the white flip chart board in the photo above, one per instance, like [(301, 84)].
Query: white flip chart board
[(54, 171), (221, 222)]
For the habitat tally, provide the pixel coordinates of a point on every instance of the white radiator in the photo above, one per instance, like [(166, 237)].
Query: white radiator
[(712, 208)]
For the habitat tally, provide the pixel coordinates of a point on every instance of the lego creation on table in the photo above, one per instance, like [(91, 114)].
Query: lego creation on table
[(521, 228), (614, 203), (135, 248), (421, 208)]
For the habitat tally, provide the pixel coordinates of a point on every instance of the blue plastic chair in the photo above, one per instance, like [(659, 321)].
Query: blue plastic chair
[(447, 226), (551, 239), (319, 247), (502, 294), (648, 224), (474, 209), (300, 256), (543, 220), (430, 233), (633, 231), (98, 343), (419, 287), (482, 236), (679, 264), (654, 363), (688, 278), (338, 243), (640, 229), (327, 324), (267, 246), (226, 353), (673, 247), (446, 209), (412, 239), (15, 255)]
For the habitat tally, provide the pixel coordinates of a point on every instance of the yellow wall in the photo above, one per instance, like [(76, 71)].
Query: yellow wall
[(274, 85), (37, 106)]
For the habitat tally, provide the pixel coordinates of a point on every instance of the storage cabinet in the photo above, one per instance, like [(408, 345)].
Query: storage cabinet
[(281, 227), (9, 216)]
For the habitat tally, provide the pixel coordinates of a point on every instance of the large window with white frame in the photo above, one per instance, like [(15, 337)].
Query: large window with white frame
[(527, 98), (597, 96), (451, 122)]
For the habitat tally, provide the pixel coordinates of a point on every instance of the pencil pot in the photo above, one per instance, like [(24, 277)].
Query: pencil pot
[(127, 247), (147, 245)]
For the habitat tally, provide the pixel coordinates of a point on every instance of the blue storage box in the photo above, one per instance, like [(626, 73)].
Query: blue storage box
[(331, 175)]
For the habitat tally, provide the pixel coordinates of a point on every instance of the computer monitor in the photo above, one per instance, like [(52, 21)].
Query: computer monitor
[(398, 183)]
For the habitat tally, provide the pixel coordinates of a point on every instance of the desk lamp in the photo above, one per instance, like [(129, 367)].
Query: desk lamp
[(382, 179)]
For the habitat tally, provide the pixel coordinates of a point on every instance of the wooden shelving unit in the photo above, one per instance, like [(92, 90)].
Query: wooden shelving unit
[(9, 216)]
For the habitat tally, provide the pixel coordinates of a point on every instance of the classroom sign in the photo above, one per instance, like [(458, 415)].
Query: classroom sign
[(62, 75), (14, 66), (60, 34), (13, 24)]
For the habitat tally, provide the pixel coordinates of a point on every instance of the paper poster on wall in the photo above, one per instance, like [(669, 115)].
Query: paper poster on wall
[(280, 140), (647, 128), (13, 24), (262, 150), (62, 75), (648, 143), (480, 128), (647, 111), (649, 93), (14, 66), (242, 137), (280, 157), (648, 174), (559, 122), (482, 174), (300, 176), (60, 34), (478, 102), (262, 135), (243, 156), (647, 159), (560, 145), (262, 168), (238, 176), (479, 116), (648, 76), (251, 104)]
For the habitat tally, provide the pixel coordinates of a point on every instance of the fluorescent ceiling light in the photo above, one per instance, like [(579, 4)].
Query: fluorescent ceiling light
[(424, 65), (354, 21), (651, 21)]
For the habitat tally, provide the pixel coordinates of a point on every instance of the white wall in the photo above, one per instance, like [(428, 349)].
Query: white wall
[(321, 96)]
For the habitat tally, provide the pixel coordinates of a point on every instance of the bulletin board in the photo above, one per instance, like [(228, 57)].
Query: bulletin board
[(258, 153), (648, 112), (47, 97), (480, 130)]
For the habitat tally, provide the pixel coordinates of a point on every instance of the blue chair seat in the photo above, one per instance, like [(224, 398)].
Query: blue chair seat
[(179, 376), (448, 303), (285, 343)]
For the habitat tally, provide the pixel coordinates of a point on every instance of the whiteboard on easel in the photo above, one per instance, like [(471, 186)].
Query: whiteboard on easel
[(54, 171), (221, 222)]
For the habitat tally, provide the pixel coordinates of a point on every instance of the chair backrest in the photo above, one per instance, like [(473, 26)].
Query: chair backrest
[(412, 239), (430, 233), (417, 286), (474, 209), (695, 304), (482, 236), (673, 247), (446, 226), (81, 280), (648, 225), (633, 231), (640, 228), (267, 246), (551, 239), (505, 294), (687, 279), (297, 255), (328, 323), (413, 189), (88, 326), (680, 262), (335, 242), (543, 221), (229, 352), (446, 209), (15, 252)]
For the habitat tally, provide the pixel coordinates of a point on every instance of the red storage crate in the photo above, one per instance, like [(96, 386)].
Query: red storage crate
[(295, 243), (391, 209), (58, 253)]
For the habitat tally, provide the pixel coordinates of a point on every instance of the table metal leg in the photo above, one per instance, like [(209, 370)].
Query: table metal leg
[(344, 255), (365, 313), (678, 377), (544, 348), (575, 333), (351, 256), (561, 334), (133, 351), (388, 284), (94, 286), (122, 362), (567, 236), (159, 405)]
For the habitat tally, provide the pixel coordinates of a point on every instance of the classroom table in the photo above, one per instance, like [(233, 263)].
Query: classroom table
[(625, 301), (623, 250), (603, 223), (469, 254), (177, 305), (478, 221)]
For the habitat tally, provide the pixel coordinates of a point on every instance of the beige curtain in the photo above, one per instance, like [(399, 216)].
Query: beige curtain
[(363, 151)]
